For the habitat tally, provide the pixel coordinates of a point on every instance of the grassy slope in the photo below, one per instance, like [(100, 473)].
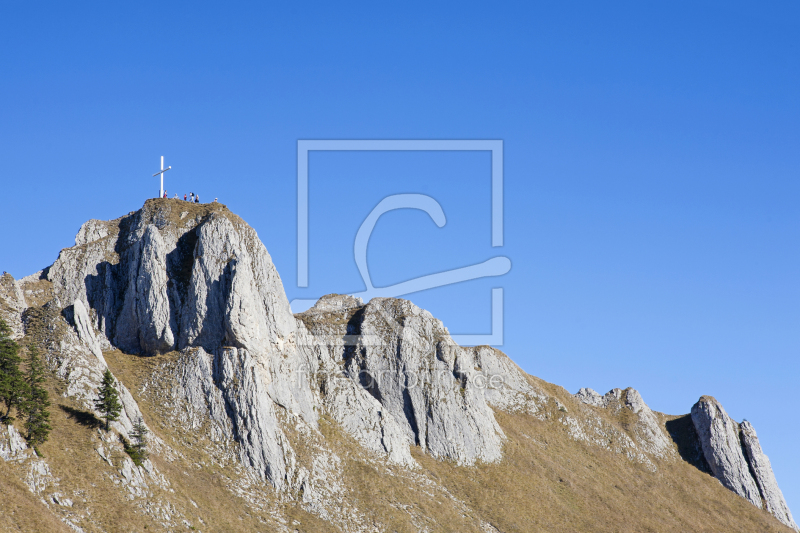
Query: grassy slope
[(20, 510), (549, 482), (546, 482)]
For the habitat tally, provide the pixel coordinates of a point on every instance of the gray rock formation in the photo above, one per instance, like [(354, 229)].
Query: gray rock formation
[(504, 384), (158, 282), (196, 279), (91, 230), (405, 359), (765, 478), (242, 382), (590, 397), (722, 448), (85, 331), (12, 304), (647, 428), (148, 322), (333, 320)]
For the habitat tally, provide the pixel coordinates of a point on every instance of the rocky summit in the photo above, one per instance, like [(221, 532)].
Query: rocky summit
[(350, 417)]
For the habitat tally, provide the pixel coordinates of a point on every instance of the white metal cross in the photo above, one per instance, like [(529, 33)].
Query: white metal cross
[(161, 191)]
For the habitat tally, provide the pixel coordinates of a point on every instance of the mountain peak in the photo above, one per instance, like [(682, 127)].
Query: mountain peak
[(183, 303)]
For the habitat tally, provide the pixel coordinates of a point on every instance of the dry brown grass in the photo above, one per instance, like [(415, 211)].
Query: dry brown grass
[(549, 482), (21, 510), (546, 482), (192, 210), (392, 498)]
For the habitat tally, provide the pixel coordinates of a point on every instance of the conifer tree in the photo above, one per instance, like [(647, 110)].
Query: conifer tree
[(108, 399), (35, 402), (11, 382), (138, 449)]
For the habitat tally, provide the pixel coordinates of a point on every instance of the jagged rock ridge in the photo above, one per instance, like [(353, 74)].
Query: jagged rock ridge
[(205, 284), (197, 280), (736, 459)]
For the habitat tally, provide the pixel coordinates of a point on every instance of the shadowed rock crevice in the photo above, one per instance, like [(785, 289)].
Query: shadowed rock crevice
[(683, 434)]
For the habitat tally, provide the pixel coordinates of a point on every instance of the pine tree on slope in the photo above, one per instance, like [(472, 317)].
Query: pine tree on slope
[(35, 403), (138, 449), (108, 399), (11, 382)]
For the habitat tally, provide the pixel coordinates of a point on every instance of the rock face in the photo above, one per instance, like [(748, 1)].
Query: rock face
[(648, 429), (148, 324), (12, 304), (85, 331), (205, 285), (590, 397), (91, 230), (196, 280), (722, 447), (406, 360), (645, 425), (765, 478), (734, 454), (427, 387)]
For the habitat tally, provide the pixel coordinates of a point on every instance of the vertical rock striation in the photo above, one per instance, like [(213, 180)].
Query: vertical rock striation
[(722, 448), (765, 478), (147, 322), (735, 457), (197, 279), (426, 384)]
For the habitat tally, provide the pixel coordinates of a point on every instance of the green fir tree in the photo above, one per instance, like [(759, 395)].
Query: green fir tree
[(108, 399), (12, 385), (137, 449), (35, 402)]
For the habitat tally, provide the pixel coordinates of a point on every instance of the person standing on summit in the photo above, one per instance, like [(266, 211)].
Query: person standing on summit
[(197, 198)]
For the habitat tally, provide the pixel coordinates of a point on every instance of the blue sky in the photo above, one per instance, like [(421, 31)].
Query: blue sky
[(650, 151)]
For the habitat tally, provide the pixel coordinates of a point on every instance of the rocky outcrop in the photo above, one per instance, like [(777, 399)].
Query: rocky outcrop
[(644, 425), (426, 384), (590, 397), (91, 230), (206, 285), (146, 321), (648, 429), (765, 478), (242, 382), (177, 277), (85, 331), (736, 459), (12, 304), (722, 448), (334, 322), (157, 282), (504, 384)]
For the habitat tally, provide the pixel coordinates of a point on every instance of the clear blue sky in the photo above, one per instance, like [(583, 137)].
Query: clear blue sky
[(651, 166)]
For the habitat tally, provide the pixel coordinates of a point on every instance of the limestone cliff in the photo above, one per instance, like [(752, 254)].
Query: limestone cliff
[(735, 457), (184, 303)]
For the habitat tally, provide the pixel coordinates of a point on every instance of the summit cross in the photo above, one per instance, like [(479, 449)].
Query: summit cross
[(161, 191)]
